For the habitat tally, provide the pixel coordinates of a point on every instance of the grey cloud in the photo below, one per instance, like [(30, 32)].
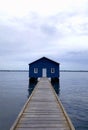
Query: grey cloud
[(47, 29), (84, 29), (32, 37), (77, 56)]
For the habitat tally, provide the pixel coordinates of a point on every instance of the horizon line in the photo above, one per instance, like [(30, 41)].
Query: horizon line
[(63, 70)]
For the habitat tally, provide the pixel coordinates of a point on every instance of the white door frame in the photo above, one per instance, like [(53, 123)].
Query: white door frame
[(44, 72)]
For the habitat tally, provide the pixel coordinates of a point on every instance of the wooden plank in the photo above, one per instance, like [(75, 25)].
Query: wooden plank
[(43, 111), (42, 129), (41, 121), (53, 125)]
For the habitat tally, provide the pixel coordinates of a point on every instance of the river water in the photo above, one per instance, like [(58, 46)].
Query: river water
[(73, 94)]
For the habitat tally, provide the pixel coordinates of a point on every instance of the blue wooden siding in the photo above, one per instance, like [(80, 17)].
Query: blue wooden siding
[(42, 64)]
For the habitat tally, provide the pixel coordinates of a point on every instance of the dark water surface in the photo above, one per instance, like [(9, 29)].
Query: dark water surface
[(73, 94)]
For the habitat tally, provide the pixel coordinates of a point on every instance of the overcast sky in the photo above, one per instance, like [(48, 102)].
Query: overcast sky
[(31, 29)]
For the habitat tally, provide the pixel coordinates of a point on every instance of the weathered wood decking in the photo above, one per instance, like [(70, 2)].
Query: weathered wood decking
[(43, 111)]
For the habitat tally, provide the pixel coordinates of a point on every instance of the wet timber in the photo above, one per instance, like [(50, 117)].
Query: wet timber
[(43, 111)]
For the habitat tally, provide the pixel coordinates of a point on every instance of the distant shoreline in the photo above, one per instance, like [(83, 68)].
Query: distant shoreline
[(28, 70), (73, 70), (13, 70)]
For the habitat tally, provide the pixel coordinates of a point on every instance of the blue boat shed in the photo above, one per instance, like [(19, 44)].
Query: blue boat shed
[(44, 67)]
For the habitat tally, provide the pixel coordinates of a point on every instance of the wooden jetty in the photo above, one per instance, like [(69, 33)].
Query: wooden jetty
[(43, 111)]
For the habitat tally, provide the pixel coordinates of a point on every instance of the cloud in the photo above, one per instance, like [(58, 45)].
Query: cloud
[(77, 56), (29, 31), (20, 8), (48, 30)]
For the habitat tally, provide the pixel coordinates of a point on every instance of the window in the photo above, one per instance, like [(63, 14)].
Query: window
[(52, 70), (35, 70)]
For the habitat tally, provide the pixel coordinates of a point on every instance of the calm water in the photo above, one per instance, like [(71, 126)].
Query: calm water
[(73, 94)]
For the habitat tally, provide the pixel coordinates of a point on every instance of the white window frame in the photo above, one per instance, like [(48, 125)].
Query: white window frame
[(52, 70), (35, 70)]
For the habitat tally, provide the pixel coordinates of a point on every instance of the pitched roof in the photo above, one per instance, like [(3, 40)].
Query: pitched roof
[(44, 58)]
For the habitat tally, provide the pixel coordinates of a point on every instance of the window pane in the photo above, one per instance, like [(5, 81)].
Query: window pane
[(52, 70), (35, 70)]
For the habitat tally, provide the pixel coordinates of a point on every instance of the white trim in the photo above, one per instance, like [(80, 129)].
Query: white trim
[(35, 70)]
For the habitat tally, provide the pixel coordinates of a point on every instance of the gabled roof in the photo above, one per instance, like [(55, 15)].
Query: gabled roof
[(45, 58)]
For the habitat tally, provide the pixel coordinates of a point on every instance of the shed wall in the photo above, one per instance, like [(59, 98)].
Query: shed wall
[(42, 64)]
